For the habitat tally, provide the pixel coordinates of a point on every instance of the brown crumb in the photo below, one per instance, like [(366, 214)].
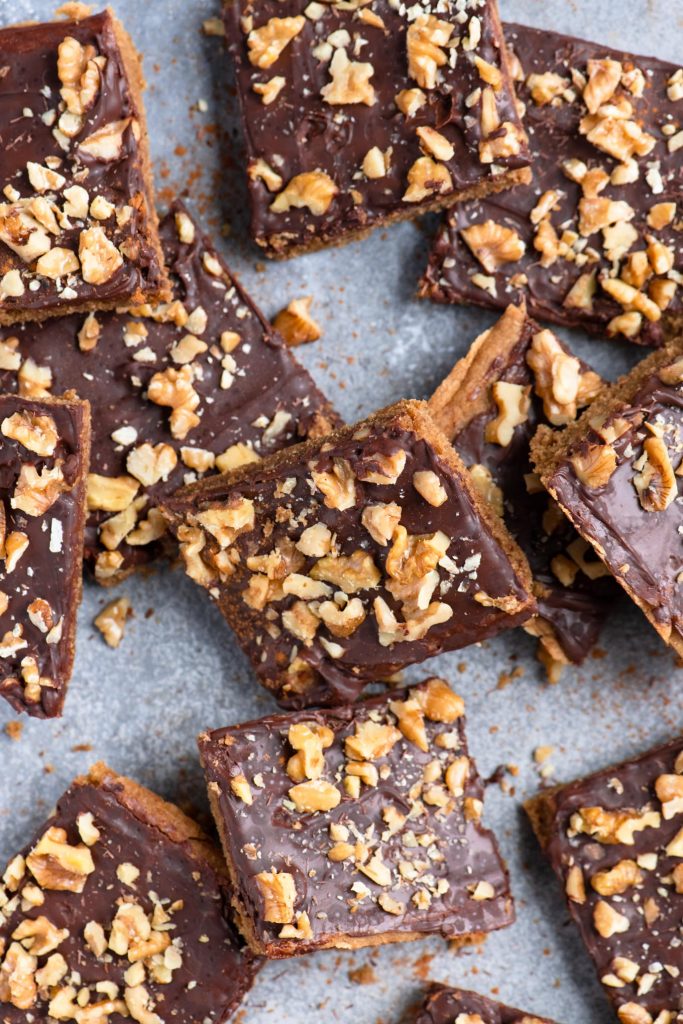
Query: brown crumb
[(505, 678), (14, 730), (542, 754), (363, 975), (81, 748)]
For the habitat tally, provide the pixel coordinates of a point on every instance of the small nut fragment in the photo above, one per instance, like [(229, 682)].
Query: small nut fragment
[(435, 143), (350, 81), (371, 741), (609, 921), (100, 259), (493, 245), (278, 891), (111, 493), (546, 87), (270, 90), (439, 702), (575, 886), (429, 486), (267, 43), (656, 482), (426, 178), (409, 101), (312, 189), (58, 866), (618, 879), (36, 492), (35, 432), (259, 169), (111, 621), (337, 485), (381, 520), (513, 401), (241, 788), (425, 41), (295, 323), (594, 465), (486, 487), (603, 78), (315, 795)]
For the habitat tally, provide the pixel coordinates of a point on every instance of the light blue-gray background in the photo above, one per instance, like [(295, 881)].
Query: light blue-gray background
[(178, 671)]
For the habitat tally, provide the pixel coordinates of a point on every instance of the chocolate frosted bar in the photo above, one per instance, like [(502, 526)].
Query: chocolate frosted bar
[(44, 449), (615, 841), (77, 222), (339, 562), (117, 911), (444, 1005), (616, 472), (356, 826), (594, 241), (180, 390), (516, 376), (358, 115)]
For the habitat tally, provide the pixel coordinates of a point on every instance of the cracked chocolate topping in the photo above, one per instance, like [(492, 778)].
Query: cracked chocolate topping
[(43, 463), (575, 609), (200, 384), (445, 1005), (641, 541), (354, 115), (552, 242), (75, 228), (114, 907), (615, 841), (358, 823), (341, 562)]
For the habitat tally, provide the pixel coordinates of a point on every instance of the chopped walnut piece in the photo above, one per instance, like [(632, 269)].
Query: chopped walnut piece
[(56, 865), (558, 379), (106, 144), (493, 244), (603, 78), (312, 189), (425, 41), (259, 169), (656, 482), (409, 101), (100, 259), (426, 178), (371, 741), (609, 921), (617, 879), (278, 891), (17, 978), (337, 485), (513, 401), (613, 827), (267, 43), (270, 90), (350, 81), (427, 483), (314, 795), (350, 573), (546, 87), (111, 621), (435, 143), (595, 465), (36, 492), (37, 433), (486, 487), (174, 388), (381, 520), (296, 324)]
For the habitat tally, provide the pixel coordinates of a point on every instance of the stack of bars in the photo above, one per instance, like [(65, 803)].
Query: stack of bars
[(522, 494)]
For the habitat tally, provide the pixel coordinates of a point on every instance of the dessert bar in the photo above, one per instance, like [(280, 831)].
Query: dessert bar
[(615, 841), (179, 390), (117, 911), (595, 240), (44, 450), (444, 1005), (339, 562), (356, 115), (356, 826), (615, 473), (77, 221), (514, 377)]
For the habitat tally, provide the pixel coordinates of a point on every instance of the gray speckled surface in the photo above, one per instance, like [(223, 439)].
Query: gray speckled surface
[(178, 671)]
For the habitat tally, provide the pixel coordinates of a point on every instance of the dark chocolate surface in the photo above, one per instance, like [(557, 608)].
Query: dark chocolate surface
[(301, 130), (444, 1005), (194, 970), (426, 835), (40, 573), (554, 137), (453, 556), (627, 815), (255, 395), (576, 612), (642, 547), (31, 112)]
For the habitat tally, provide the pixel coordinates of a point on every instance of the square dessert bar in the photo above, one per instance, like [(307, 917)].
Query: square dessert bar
[(356, 115), (595, 240), (117, 911), (44, 451), (356, 826), (180, 390), (514, 377), (339, 562), (615, 473), (77, 221), (615, 841), (444, 1005)]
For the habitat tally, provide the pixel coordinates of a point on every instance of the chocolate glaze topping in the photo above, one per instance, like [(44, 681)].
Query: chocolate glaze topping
[(444, 1005), (643, 547), (455, 275), (33, 117), (306, 128), (423, 863), (469, 588), (577, 611), (193, 971), (252, 392), (627, 815), (42, 515)]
